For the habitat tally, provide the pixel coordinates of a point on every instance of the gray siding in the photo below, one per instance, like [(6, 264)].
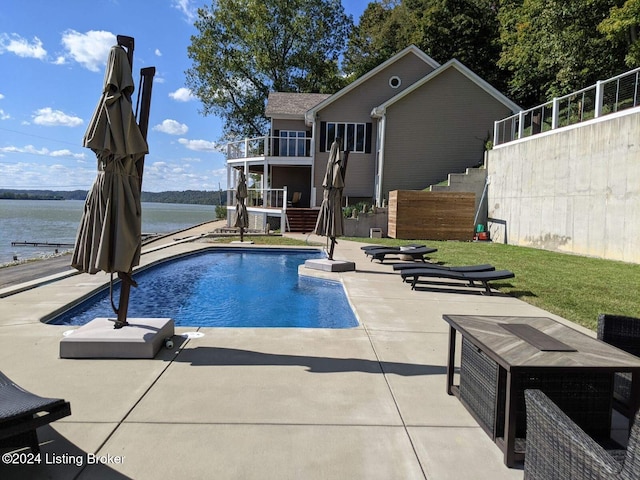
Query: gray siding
[(297, 125), (356, 106), (438, 129)]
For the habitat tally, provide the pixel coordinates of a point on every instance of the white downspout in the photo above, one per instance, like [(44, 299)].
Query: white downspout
[(314, 138), (381, 128)]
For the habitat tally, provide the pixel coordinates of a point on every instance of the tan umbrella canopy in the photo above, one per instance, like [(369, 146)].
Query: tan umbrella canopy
[(242, 216), (330, 222), (109, 235)]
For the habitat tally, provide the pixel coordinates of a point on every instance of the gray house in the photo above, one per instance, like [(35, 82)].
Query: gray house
[(407, 124)]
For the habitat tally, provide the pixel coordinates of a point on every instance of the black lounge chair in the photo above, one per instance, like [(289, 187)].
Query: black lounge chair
[(417, 253), (374, 247), (557, 448), (485, 267), (21, 412), (471, 277)]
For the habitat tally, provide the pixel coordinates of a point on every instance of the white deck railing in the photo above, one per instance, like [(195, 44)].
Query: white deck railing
[(268, 146), (607, 96), (275, 198)]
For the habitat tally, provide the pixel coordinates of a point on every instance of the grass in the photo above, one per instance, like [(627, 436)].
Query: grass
[(263, 240), (574, 287)]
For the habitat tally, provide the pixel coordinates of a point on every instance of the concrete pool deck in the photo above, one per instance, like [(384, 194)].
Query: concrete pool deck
[(361, 403)]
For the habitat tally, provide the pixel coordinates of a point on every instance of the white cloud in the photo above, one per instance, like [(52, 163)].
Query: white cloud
[(187, 9), (171, 127), (1, 96), (54, 118), (67, 153), (89, 49), (182, 95), (199, 145), (4, 115), (21, 47), (158, 52), (39, 175), (30, 149)]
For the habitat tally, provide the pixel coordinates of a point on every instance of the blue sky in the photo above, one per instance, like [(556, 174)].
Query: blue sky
[(52, 59)]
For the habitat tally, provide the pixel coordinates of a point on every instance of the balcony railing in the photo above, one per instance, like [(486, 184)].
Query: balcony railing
[(263, 198), (608, 96), (268, 146)]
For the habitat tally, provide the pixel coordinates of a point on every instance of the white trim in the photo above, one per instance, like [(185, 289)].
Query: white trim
[(379, 110), (381, 131), (311, 113)]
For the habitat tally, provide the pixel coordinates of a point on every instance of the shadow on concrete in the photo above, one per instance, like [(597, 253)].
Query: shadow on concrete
[(59, 459), (214, 356)]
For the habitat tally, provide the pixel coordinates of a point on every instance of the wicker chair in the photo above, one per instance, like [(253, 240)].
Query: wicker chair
[(557, 449), (623, 333), (22, 412)]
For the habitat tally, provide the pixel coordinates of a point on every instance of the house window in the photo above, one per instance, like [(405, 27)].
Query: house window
[(395, 82), (353, 136), (292, 143)]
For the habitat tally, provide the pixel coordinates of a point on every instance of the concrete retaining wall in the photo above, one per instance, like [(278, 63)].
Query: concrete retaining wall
[(575, 189)]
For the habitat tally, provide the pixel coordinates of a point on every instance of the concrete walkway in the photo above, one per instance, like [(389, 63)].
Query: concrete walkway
[(361, 403)]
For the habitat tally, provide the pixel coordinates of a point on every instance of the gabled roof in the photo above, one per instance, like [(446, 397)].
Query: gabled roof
[(379, 110), (411, 49), (292, 105)]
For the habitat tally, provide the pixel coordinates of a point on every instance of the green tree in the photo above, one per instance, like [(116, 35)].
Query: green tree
[(384, 29), (553, 47), (467, 30), (623, 24), (247, 48)]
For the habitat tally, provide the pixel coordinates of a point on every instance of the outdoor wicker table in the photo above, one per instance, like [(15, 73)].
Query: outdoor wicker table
[(503, 356)]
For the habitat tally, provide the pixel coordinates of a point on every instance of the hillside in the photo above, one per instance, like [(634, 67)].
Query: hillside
[(194, 197)]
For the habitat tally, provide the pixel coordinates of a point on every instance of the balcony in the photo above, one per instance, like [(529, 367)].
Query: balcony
[(278, 150)]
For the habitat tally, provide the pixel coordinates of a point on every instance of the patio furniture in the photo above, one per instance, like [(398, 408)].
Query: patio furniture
[(21, 412), (624, 333), (374, 247), (503, 356), (557, 448), (484, 267), (483, 277), (416, 253)]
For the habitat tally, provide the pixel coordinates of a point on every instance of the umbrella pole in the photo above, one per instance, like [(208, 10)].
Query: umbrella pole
[(333, 245), (123, 304)]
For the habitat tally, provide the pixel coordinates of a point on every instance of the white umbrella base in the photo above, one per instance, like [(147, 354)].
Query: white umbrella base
[(327, 265), (142, 338)]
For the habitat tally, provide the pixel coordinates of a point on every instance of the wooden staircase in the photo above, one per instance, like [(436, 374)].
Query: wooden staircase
[(302, 220)]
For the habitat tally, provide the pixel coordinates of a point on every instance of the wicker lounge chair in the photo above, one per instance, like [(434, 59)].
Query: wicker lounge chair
[(558, 449), (417, 253), (624, 333), (483, 277), (21, 412)]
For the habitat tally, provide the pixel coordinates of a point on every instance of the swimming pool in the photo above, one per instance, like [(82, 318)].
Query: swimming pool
[(229, 288)]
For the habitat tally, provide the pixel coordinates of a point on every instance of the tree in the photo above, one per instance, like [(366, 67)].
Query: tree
[(467, 30), (384, 29), (553, 47), (623, 24), (247, 48)]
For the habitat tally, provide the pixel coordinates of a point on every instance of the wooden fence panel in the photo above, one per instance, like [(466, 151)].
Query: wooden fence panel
[(422, 215)]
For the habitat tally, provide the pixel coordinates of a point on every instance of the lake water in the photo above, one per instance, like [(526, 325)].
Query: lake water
[(56, 221)]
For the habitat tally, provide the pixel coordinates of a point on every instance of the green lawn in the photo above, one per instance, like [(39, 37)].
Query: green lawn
[(574, 287)]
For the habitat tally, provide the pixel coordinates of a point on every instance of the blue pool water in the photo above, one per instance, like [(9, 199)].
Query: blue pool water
[(229, 288)]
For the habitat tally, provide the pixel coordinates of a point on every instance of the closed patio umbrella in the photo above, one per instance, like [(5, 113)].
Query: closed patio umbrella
[(242, 216), (330, 221), (109, 235)]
